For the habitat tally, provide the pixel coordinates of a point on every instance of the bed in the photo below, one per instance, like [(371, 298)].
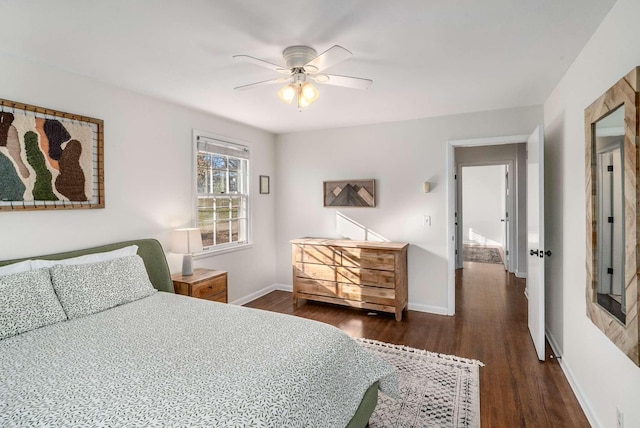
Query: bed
[(169, 360)]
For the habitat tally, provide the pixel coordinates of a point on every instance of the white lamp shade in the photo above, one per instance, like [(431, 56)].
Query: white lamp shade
[(186, 241), (309, 93), (287, 93)]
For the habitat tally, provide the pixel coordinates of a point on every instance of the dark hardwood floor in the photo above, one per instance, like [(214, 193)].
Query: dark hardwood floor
[(490, 325)]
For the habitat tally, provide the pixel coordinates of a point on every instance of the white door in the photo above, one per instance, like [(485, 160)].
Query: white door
[(535, 238), (506, 204), (458, 218)]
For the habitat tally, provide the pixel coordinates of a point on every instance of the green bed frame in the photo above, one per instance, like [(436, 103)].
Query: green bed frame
[(156, 263), (365, 409), (149, 249)]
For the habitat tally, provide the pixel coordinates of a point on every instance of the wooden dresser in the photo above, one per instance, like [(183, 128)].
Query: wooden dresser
[(362, 274)]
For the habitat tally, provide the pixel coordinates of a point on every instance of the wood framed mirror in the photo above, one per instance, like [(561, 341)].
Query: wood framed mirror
[(612, 189)]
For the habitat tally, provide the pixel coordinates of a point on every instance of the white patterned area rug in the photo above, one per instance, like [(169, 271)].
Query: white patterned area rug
[(436, 390)]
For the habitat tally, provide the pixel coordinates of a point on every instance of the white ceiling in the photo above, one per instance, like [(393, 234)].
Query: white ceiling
[(426, 57)]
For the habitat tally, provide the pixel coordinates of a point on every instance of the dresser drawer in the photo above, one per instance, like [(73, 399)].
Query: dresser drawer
[(313, 271), (381, 296), (370, 259), (323, 255), (209, 288), (377, 278), (317, 287)]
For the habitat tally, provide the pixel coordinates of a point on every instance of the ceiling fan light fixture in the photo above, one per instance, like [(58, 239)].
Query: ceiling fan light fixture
[(302, 103), (304, 94), (288, 92), (309, 92), (302, 65)]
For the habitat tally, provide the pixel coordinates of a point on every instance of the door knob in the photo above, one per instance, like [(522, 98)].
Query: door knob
[(548, 253)]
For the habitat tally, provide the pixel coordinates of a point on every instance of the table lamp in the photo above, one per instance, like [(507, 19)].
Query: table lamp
[(186, 241)]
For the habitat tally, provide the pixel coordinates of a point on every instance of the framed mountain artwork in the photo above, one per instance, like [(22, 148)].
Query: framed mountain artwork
[(350, 193)]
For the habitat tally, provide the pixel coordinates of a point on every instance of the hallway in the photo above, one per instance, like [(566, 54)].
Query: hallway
[(490, 325)]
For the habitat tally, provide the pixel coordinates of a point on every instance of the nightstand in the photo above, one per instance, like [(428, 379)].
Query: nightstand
[(204, 284)]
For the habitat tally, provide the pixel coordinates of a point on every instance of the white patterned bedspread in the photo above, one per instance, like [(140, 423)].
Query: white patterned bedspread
[(170, 360)]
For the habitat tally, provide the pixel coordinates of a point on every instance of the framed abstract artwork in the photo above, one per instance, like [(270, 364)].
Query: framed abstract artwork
[(49, 159), (349, 193)]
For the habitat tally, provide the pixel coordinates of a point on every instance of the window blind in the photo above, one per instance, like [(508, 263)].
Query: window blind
[(223, 147)]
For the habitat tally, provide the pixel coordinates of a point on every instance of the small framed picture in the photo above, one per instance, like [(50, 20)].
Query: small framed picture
[(264, 184)]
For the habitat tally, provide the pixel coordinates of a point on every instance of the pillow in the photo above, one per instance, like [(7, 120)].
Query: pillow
[(131, 250), (89, 288), (27, 302), (24, 266)]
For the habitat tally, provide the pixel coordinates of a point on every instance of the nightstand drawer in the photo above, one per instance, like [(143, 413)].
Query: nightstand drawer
[(220, 297), (203, 284), (210, 287)]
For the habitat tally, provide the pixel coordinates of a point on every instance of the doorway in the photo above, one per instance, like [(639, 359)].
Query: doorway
[(529, 206), (487, 151), (484, 205)]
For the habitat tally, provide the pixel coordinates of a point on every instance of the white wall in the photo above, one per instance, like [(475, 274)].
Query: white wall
[(400, 156), (603, 375), (148, 164), (483, 204)]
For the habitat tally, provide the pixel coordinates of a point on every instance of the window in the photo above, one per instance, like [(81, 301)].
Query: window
[(222, 177)]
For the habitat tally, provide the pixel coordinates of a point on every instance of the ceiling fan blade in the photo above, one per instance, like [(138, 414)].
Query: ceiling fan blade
[(265, 82), (326, 59), (262, 63), (345, 81)]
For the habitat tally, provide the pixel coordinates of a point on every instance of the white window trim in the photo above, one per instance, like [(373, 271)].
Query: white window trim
[(218, 251), (224, 248)]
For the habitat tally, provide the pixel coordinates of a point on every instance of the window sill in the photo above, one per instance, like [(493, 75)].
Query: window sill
[(218, 251)]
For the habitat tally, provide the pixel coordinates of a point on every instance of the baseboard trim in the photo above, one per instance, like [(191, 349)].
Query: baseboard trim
[(584, 402), (552, 341), (283, 287), (427, 308), (288, 287), (257, 294), (253, 296), (520, 274)]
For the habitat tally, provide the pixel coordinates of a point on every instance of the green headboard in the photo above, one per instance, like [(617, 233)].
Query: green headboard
[(149, 249)]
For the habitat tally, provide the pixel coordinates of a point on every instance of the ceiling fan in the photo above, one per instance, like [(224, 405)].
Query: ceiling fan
[(303, 65)]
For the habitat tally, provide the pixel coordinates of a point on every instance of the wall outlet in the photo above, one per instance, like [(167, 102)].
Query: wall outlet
[(619, 418), (426, 221)]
